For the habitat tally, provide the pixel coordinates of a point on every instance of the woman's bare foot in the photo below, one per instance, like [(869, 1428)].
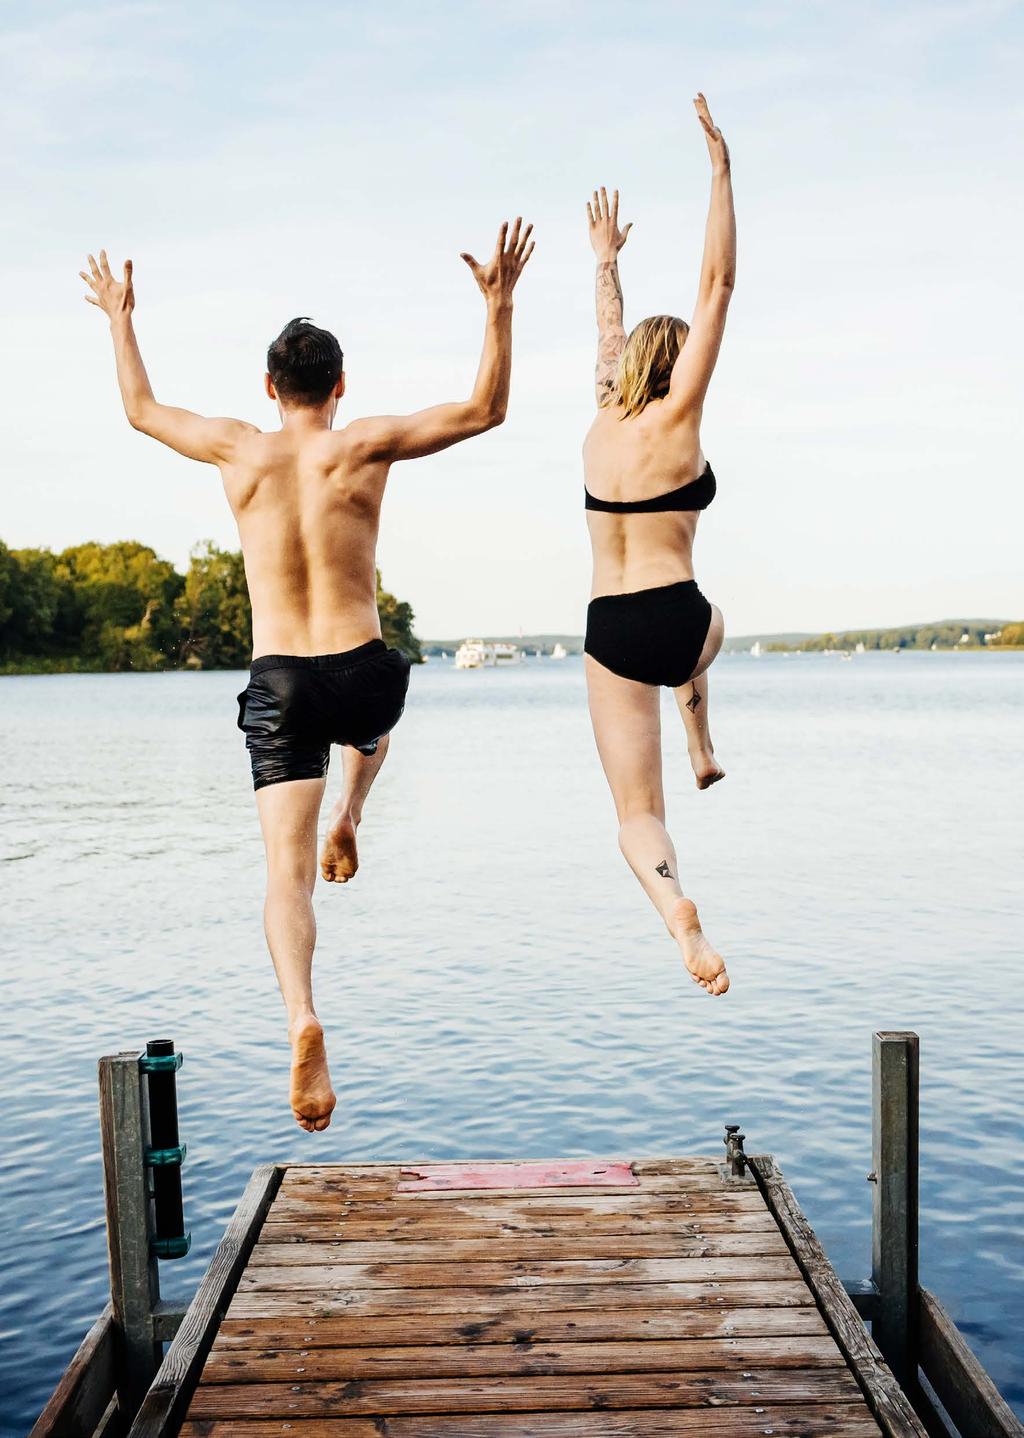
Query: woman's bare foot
[(340, 859), (706, 768), (706, 966), (312, 1097)]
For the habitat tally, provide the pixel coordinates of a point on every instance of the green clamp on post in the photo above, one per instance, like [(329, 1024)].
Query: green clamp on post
[(164, 1157), (160, 1063), (171, 1247)]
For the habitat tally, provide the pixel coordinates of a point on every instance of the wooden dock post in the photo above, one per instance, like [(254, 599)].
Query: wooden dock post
[(134, 1279), (894, 1206)]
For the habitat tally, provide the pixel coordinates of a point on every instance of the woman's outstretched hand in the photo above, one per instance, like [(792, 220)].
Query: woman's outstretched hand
[(497, 278), (605, 235), (114, 297), (717, 148)]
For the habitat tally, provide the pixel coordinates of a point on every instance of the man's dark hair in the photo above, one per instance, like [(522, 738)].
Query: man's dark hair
[(304, 363)]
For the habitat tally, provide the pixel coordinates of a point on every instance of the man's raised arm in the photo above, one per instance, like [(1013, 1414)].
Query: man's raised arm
[(395, 437), (607, 240), (209, 440)]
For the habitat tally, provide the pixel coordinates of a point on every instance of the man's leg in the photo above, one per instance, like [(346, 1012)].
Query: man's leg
[(288, 816), (340, 858)]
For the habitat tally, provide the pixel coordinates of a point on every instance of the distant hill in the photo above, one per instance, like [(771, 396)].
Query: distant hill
[(937, 634), (573, 643), (740, 643)]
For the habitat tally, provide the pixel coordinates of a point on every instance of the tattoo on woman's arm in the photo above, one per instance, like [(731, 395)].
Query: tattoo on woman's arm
[(663, 870), (609, 297), (611, 334)]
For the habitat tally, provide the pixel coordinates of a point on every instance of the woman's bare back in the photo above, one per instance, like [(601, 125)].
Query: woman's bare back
[(638, 458)]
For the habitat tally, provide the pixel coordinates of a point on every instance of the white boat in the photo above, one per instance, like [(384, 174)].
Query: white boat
[(860, 647), (507, 653), (755, 649), (559, 652), (474, 654)]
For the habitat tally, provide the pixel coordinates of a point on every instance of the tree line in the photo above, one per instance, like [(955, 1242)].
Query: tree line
[(120, 607), (945, 634)]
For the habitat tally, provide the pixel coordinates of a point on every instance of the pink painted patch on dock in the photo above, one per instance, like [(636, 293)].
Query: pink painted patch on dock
[(579, 1173)]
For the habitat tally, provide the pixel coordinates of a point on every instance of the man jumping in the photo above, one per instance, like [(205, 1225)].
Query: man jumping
[(307, 503)]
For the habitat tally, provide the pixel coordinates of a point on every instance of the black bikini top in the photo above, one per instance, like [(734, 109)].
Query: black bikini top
[(695, 494)]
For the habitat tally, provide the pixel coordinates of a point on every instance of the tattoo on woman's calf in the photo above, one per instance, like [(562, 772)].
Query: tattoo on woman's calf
[(663, 870)]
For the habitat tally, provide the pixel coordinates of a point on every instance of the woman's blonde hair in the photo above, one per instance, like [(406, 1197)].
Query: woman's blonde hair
[(645, 365)]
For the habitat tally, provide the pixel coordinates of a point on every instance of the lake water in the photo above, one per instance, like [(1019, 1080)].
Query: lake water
[(494, 983)]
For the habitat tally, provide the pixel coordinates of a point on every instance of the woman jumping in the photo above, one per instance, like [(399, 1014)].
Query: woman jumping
[(647, 480)]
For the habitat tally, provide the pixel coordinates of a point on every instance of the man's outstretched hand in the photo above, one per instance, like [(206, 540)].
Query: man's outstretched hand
[(717, 148), (497, 278), (114, 297), (605, 235)]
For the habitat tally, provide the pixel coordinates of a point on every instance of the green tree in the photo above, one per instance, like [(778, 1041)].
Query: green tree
[(396, 621), (212, 611), (8, 591), (1012, 633), (35, 602), (126, 595), (121, 607)]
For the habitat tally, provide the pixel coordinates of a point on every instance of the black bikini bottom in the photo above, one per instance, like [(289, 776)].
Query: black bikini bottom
[(296, 706), (654, 636)]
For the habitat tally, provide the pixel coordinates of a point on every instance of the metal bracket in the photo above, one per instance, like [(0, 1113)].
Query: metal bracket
[(864, 1296), (160, 1063), (165, 1157), (734, 1170), (171, 1247)]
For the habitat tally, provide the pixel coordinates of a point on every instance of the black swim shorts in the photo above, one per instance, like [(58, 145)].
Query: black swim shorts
[(296, 706)]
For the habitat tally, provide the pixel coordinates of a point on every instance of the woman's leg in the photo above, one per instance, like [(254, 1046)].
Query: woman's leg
[(627, 726), (692, 699)]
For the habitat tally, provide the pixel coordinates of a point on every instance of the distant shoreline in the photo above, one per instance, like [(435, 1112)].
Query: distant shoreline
[(945, 635), (737, 650)]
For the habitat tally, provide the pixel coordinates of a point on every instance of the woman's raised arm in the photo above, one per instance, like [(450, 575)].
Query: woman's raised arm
[(607, 240), (692, 371)]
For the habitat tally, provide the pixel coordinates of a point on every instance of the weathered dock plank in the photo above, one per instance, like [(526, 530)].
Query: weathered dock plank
[(297, 1303), (474, 1360), (462, 1226), (532, 1394), (796, 1421), (524, 1324), (331, 1277), (380, 1300), (763, 1243)]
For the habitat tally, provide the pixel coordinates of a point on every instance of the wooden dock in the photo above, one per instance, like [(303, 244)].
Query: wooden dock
[(554, 1299), (582, 1299)]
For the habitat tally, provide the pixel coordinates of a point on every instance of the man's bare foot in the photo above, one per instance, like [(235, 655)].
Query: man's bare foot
[(312, 1097), (340, 859), (706, 768), (706, 966)]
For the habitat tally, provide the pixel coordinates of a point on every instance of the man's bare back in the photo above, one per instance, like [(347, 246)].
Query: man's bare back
[(307, 501)]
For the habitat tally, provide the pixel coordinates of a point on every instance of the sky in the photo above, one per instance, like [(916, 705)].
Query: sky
[(259, 162)]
